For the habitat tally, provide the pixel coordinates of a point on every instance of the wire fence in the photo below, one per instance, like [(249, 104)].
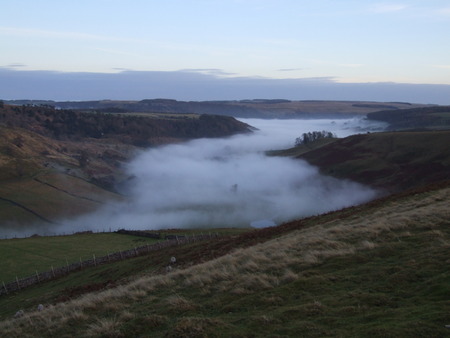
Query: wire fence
[(57, 272)]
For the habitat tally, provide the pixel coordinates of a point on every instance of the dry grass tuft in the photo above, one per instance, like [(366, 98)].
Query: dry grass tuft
[(195, 327), (265, 320), (288, 276), (367, 245), (105, 328), (154, 321), (314, 309), (180, 304), (78, 315), (126, 315)]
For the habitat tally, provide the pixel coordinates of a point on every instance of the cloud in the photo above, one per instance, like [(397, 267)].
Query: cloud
[(41, 33), (16, 65), (289, 69), (442, 66), (207, 71), (116, 52), (352, 65), (444, 11), (229, 182), (387, 8), (201, 84)]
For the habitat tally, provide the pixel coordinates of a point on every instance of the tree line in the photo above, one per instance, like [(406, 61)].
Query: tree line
[(313, 136)]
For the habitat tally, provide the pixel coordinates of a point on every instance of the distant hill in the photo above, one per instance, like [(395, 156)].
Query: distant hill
[(393, 161), (432, 118), (132, 129), (259, 108)]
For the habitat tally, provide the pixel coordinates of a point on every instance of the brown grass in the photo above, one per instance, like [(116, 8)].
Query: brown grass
[(180, 304), (195, 327), (261, 267), (105, 328)]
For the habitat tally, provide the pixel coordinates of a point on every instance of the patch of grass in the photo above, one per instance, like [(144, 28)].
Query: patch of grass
[(23, 256)]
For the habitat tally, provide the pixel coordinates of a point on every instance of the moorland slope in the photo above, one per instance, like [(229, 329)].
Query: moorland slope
[(390, 161), (393, 161), (58, 163), (421, 118), (378, 269)]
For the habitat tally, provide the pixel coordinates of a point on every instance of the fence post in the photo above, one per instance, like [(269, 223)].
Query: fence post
[(18, 284), (81, 264), (178, 242), (95, 262), (109, 258), (135, 252), (53, 272), (6, 290), (37, 275)]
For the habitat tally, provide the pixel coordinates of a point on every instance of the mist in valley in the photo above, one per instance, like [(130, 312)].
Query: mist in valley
[(229, 182)]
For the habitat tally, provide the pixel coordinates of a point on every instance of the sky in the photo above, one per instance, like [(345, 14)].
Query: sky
[(225, 49)]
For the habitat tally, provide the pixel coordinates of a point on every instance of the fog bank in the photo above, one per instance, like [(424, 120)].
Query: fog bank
[(229, 182)]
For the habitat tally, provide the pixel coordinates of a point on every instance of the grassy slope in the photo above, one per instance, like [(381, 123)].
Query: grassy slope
[(56, 164), (374, 270), (41, 180), (430, 118), (394, 161)]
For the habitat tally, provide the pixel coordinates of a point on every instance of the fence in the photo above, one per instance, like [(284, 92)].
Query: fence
[(39, 277)]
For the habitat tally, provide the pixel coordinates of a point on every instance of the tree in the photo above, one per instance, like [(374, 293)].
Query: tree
[(313, 136)]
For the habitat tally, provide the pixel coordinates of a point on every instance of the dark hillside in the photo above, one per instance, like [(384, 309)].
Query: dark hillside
[(258, 108), (62, 163), (130, 129), (393, 161), (415, 118)]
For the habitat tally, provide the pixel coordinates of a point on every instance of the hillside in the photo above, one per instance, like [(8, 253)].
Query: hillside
[(392, 161), (56, 163), (244, 108), (430, 118), (379, 269)]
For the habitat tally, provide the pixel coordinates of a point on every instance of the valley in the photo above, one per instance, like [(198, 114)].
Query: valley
[(58, 164), (378, 267)]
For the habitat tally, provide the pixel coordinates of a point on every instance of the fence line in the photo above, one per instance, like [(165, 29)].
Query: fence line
[(54, 273)]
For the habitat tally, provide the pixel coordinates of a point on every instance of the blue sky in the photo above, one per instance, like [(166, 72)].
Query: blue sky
[(326, 41)]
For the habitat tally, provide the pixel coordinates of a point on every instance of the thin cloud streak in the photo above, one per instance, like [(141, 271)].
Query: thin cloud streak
[(387, 8)]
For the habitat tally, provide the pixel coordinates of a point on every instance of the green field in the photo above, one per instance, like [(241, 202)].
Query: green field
[(22, 257)]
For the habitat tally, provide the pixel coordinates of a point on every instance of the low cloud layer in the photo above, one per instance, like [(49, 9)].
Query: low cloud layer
[(229, 183), (203, 84)]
